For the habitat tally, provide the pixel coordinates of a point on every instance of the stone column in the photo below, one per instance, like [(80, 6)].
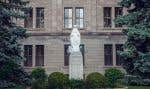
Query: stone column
[(113, 17), (114, 55), (33, 56), (34, 17)]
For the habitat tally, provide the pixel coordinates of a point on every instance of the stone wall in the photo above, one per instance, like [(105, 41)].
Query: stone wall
[(53, 36)]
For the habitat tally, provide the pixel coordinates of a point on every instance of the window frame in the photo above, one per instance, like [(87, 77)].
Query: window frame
[(39, 19), (28, 21), (117, 13), (29, 50), (39, 54), (79, 18), (118, 58), (106, 18), (69, 18), (106, 63)]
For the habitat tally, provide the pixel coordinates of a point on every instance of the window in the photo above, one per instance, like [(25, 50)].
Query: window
[(79, 17), (108, 55), (39, 55), (40, 17), (119, 47), (69, 20), (66, 53), (28, 55), (82, 51), (118, 12), (28, 22), (68, 17), (107, 17)]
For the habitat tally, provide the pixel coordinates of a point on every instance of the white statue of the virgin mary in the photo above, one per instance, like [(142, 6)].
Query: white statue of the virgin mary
[(75, 58), (75, 40)]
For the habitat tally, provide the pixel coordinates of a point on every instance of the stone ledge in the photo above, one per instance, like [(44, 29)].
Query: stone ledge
[(83, 33)]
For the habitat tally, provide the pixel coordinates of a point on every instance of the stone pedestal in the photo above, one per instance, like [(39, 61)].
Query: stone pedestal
[(76, 65)]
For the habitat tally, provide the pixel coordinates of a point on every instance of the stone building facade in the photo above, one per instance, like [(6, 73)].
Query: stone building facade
[(50, 22)]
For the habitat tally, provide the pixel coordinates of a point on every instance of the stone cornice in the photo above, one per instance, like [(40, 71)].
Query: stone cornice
[(83, 33)]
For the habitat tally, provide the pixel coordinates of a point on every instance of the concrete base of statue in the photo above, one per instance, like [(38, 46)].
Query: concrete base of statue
[(76, 66)]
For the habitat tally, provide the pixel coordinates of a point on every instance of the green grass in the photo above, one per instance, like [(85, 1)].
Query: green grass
[(130, 87), (139, 87)]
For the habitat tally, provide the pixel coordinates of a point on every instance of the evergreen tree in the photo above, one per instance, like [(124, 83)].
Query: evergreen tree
[(136, 54), (11, 71)]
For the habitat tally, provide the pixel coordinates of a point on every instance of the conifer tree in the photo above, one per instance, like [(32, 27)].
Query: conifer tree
[(136, 54), (11, 71)]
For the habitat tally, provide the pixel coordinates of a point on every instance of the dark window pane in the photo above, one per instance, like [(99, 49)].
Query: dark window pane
[(119, 47), (107, 11), (28, 22), (40, 17), (107, 17), (118, 12), (107, 22), (67, 54), (28, 55), (82, 51), (39, 55), (108, 55)]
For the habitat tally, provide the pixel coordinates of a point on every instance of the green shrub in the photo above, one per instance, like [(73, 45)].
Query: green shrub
[(136, 81), (6, 84), (38, 73), (95, 80), (146, 82), (76, 84), (57, 80), (112, 74), (132, 80), (39, 84), (17, 87), (120, 83)]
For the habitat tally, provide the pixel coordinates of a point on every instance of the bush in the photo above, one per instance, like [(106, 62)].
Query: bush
[(38, 73), (136, 81), (76, 84), (6, 84), (120, 83), (12, 74), (95, 80), (57, 80), (39, 84), (128, 78), (112, 74), (146, 82)]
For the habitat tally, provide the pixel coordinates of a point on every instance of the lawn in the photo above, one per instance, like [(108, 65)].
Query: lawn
[(130, 87), (139, 87)]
